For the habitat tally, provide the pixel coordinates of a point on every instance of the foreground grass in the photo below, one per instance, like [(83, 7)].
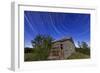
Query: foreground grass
[(29, 57), (78, 55), (32, 57)]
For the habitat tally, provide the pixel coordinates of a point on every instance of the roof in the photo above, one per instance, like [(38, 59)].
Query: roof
[(63, 39)]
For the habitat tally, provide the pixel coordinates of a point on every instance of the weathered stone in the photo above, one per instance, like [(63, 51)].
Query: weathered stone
[(62, 49)]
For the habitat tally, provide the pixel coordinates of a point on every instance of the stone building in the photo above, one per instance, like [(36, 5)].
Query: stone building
[(62, 49)]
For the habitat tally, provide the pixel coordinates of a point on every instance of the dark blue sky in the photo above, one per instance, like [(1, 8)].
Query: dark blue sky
[(57, 25)]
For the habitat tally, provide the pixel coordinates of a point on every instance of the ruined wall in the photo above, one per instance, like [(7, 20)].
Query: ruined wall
[(69, 48)]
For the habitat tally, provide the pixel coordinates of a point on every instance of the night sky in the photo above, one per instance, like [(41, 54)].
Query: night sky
[(57, 25)]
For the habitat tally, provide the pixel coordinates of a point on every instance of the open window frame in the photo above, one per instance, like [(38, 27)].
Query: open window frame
[(17, 51)]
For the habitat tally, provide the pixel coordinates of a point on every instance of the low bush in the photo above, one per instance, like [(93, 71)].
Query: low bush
[(83, 50)]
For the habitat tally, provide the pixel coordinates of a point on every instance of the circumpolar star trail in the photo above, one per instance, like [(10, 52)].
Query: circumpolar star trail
[(57, 25), (53, 26), (30, 25)]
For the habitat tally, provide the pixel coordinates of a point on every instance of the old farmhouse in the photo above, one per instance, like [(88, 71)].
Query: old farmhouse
[(62, 49)]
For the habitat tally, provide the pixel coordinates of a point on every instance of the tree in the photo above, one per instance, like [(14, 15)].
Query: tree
[(38, 41), (84, 48), (84, 45), (79, 44), (42, 45)]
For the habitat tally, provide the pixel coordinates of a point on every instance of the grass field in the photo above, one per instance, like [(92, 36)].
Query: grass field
[(78, 55), (29, 56)]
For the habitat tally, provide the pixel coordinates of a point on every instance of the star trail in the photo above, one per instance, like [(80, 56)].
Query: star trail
[(57, 25)]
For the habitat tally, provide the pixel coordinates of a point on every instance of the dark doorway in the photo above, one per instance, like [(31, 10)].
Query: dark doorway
[(61, 46)]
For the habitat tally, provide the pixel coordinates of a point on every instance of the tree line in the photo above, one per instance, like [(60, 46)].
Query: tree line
[(42, 45)]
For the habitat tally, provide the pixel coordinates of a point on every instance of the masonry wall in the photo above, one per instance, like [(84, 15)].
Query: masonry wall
[(69, 48)]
